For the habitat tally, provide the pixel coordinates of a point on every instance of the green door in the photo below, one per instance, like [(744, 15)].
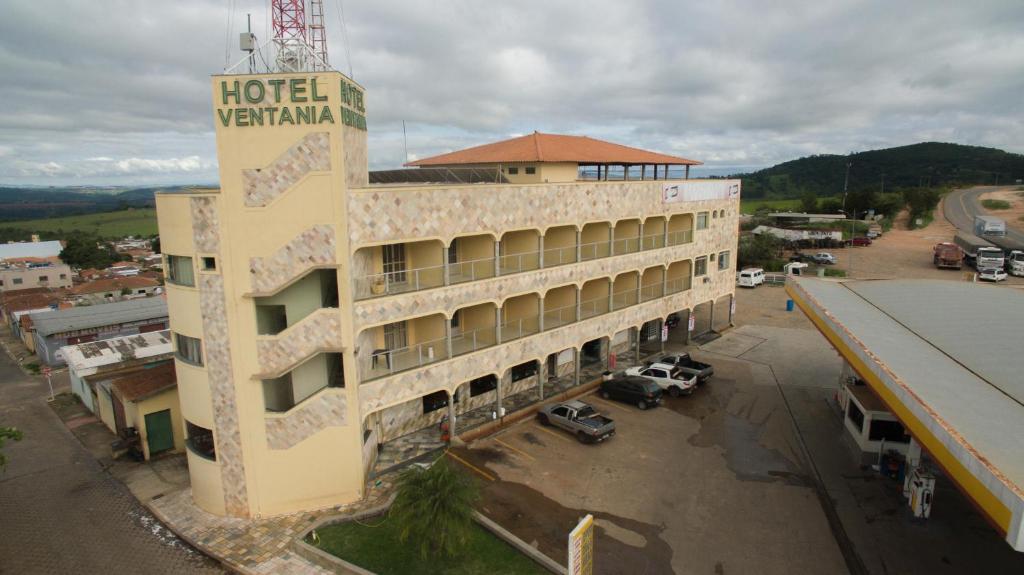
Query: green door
[(158, 432)]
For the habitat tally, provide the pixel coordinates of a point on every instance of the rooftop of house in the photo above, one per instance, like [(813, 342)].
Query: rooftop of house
[(85, 358), (114, 285), (93, 316), (17, 250), (145, 382), (551, 148)]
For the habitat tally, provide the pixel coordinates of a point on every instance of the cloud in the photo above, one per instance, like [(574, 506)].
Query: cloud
[(729, 83)]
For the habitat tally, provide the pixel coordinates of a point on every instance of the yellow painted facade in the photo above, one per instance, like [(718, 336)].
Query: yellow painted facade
[(357, 355)]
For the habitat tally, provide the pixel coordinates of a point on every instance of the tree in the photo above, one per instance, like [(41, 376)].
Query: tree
[(831, 206), (758, 250), (7, 433), (86, 251), (154, 244), (435, 508), (808, 202)]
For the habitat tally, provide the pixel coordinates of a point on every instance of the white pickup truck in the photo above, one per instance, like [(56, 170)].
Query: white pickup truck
[(668, 377)]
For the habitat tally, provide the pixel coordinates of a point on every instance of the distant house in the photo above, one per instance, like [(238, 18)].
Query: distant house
[(56, 329), (795, 218), (16, 275), (13, 305), (49, 250), (108, 290), (130, 384)]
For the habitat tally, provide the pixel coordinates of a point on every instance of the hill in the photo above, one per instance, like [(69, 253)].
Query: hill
[(26, 203), (111, 225), (928, 164)]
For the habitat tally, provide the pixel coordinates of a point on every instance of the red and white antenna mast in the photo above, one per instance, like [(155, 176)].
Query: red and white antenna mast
[(301, 45)]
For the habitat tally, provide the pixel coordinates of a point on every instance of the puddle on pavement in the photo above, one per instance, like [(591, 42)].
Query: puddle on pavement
[(621, 545), (532, 439), (485, 455)]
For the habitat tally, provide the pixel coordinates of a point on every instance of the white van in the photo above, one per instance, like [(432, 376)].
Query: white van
[(750, 277)]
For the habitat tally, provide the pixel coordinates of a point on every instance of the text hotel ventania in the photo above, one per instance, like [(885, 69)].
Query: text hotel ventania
[(291, 102)]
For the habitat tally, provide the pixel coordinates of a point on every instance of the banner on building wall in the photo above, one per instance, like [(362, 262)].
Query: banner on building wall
[(581, 547), (692, 191)]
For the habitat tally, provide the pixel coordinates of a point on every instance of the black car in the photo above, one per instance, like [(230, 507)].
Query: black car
[(638, 391), (798, 257)]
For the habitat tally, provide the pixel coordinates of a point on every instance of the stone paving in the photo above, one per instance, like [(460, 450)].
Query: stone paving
[(408, 447), (251, 545)]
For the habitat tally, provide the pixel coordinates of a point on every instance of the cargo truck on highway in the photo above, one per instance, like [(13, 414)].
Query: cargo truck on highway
[(1015, 263), (948, 255), (989, 226), (979, 252)]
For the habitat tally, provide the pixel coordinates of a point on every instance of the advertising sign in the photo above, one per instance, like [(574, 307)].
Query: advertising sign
[(664, 332), (696, 190), (581, 547), (692, 323)]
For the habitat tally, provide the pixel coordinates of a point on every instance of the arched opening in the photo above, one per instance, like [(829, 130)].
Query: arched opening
[(471, 258), (652, 283), (625, 290), (397, 268), (654, 233), (559, 307), (559, 246), (677, 277), (520, 317), (473, 328), (595, 241), (680, 229), (627, 237), (519, 251)]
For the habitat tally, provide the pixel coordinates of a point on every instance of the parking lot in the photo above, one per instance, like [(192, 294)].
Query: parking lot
[(709, 483)]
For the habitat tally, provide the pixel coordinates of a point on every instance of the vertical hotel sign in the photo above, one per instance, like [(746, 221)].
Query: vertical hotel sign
[(581, 547), (692, 191)]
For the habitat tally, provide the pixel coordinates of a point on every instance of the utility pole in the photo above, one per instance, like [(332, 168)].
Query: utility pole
[(883, 183), (846, 181), (405, 141)]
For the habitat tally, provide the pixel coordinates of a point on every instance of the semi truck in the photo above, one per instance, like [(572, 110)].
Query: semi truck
[(948, 255), (989, 226), (1015, 263), (980, 253)]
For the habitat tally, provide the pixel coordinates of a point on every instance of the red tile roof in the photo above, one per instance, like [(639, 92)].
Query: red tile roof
[(537, 147), (114, 284), (143, 383)]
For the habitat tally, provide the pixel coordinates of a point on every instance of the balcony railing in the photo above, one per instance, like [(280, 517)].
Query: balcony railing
[(388, 361), (680, 237), (652, 291), (594, 307), (676, 285), (559, 316), (624, 298), (382, 284), (520, 327), (464, 342)]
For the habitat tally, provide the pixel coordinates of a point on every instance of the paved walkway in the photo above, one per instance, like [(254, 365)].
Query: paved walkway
[(60, 512)]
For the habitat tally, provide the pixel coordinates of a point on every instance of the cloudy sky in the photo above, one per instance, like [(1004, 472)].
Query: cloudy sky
[(117, 92)]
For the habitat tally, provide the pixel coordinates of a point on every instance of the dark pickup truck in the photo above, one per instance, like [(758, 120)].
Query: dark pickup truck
[(577, 418), (687, 364)]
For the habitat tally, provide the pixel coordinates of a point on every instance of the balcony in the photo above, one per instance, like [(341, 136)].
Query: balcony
[(520, 317), (321, 371)]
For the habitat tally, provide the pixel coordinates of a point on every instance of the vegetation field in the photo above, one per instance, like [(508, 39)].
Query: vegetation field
[(751, 206), (996, 204), (130, 222), (375, 545)]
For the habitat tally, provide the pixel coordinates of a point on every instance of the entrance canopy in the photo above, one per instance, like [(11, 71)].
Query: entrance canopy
[(946, 358)]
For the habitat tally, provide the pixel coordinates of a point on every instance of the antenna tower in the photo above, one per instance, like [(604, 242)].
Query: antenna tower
[(289, 21), (317, 33)]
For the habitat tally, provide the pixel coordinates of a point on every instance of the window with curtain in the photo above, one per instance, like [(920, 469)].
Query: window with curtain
[(180, 271)]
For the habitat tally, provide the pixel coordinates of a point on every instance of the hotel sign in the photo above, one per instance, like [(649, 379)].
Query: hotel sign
[(692, 191), (288, 102)]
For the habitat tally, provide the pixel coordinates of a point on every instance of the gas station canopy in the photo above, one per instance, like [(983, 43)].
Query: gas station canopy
[(947, 359)]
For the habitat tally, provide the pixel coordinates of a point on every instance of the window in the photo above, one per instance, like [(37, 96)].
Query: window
[(524, 370), (200, 441), (140, 291), (16, 281), (723, 261), (209, 264), (394, 262), (453, 251), (560, 411), (714, 214), (888, 431), (189, 349), (700, 266), (435, 401), (44, 278), (513, 171), (531, 170), (702, 221), (179, 271), (63, 276), (855, 415), (395, 336), (657, 373), (482, 385)]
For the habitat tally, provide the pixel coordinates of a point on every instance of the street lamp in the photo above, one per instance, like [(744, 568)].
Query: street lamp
[(853, 233)]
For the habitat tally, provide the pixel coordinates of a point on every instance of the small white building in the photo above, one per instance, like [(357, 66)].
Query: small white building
[(86, 360), (869, 422)]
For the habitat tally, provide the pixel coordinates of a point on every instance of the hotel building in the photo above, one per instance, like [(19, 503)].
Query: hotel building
[(326, 318)]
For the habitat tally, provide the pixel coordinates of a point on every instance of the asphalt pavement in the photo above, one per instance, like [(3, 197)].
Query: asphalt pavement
[(60, 512), (960, 207)]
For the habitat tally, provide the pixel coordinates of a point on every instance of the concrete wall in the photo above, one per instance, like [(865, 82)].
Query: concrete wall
[(136, 412), (57, 276)]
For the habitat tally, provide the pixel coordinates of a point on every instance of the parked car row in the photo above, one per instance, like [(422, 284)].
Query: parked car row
[(643, 386)]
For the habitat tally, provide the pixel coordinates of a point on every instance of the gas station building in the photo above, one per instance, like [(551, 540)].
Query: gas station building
[(945, 359)]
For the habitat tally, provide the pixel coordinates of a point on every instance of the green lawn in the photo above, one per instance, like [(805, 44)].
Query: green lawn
[(996, 204), (374, 545), (131, 222), (751, 206)]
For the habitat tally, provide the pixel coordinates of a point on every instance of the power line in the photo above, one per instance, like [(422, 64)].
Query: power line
[(340, 11)]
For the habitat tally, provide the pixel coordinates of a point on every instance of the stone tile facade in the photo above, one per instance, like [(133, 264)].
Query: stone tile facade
[(449, 374), (310, 154), (228, 438), (318, 332), (324, 409), (312, 248), (205, 224), (446, 212)]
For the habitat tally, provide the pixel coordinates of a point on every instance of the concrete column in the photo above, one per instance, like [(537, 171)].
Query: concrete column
[(451, 416), (497, 258), (447, 265), (497, 394), (640, 238), (540, 255), (611, 240), (664, 242), (639, 288), (540, 314), (661, 328), (687, 172), (576, 366), (497, 325), (636, 332), (643, 171), (611, 296), (686, 326), (579, 248), (541, 376), (664, 282), (711, 321), (579, 305), (448, 336)]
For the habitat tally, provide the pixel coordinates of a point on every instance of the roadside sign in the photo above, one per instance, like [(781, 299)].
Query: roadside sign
[(692, 323), (664, 332), (732, 308), (46, 371), (581, 547)]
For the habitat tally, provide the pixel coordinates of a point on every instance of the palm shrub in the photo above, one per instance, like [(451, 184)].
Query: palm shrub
[(434, 507)]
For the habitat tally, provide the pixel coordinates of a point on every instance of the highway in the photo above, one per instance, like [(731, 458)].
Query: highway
[(961, 206)]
